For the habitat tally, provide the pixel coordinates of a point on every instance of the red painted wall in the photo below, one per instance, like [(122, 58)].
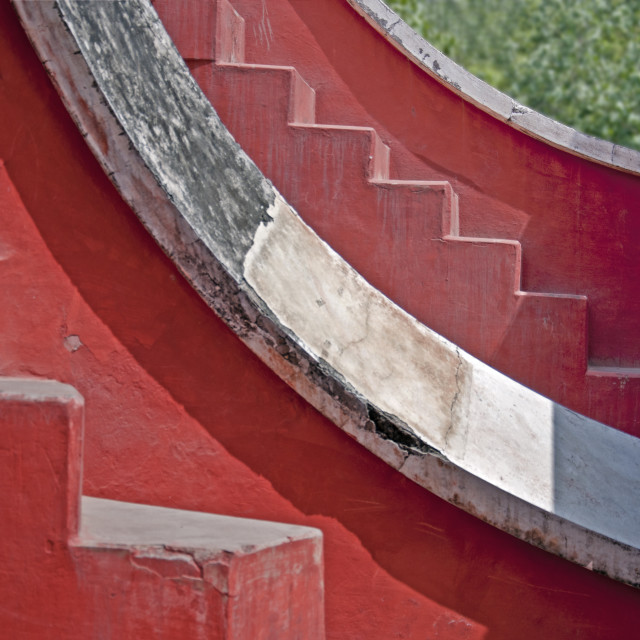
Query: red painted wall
[(578, 222), (179, 413)]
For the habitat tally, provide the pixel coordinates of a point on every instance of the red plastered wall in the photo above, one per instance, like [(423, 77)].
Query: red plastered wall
[(179, 413)]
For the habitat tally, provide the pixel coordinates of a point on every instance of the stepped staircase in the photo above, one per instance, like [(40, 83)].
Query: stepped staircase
[(403, 235)]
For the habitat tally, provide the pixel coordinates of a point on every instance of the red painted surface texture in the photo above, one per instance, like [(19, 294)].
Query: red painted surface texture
[(50, 591), (578, 223), (179, 413), (55, 588)]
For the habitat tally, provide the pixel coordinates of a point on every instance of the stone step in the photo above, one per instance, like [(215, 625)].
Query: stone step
[(86, 564), (253, 579)]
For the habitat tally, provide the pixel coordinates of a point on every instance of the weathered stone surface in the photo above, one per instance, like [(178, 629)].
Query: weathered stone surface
[(269, 574)]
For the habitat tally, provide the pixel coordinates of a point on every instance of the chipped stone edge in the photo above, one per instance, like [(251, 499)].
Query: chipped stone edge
[(243, 308), (386, 22)]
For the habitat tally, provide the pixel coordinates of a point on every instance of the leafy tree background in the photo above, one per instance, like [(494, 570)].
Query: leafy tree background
[(575, 61)]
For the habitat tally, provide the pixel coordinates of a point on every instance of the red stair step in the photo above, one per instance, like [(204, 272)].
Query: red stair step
[(613, 396), (85, 565), (204, 29), (559, 325), (245, 579)]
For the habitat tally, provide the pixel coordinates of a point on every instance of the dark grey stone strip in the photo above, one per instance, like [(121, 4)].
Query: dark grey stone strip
[(442, 418), (190, 154)]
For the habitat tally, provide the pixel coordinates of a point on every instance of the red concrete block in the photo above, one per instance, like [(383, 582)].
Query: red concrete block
[(240, 579), (41, 422), (40, 478)]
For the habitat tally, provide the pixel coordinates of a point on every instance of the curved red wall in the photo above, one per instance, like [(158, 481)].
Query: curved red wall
[(180, 413)]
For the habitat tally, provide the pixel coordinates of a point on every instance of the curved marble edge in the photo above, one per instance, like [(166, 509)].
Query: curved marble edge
[(442, 418), (471, 88)]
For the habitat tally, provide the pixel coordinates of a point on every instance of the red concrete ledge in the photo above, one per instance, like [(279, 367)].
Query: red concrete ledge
[(169, 570), (445, 420), (268, 575), (42, 425)]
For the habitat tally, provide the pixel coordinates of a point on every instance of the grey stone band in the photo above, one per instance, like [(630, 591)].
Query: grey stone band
[(442, 418)]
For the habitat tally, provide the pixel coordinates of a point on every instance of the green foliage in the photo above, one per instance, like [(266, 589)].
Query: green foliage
[(576, 61)]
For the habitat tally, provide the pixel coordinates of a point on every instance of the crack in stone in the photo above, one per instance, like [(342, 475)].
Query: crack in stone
[(390, 28), (192, 554), (407, 455), (145, 558), (454, 400), (357, 341)]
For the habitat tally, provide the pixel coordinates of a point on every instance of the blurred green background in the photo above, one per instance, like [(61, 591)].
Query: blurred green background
[(577, 62)]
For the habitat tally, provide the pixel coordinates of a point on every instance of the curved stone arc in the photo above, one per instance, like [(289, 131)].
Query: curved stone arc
[(445, 420), (389, 24)]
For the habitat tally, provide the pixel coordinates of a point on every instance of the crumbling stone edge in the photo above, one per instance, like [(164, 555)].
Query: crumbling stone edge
[(431, 411), (471, 88)]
